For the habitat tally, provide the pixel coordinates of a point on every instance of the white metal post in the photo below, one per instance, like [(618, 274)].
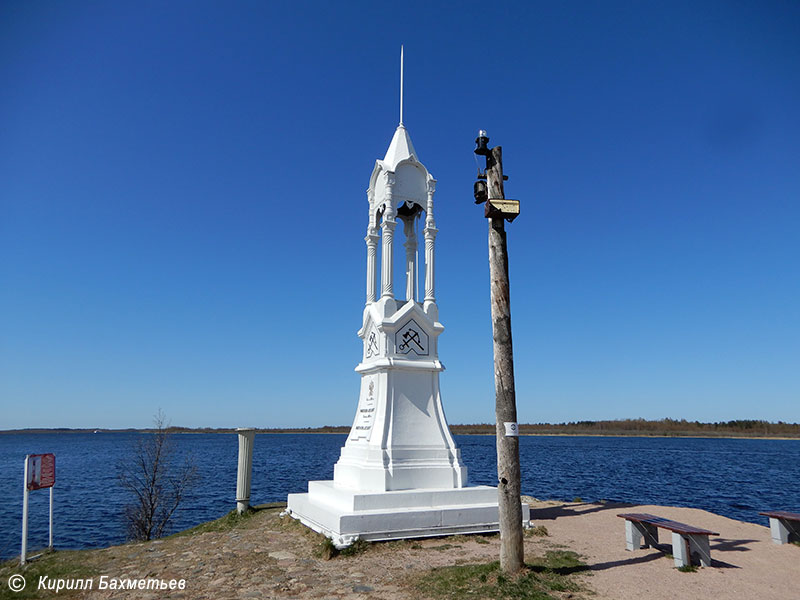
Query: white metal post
[(51, 518), (24, 513)]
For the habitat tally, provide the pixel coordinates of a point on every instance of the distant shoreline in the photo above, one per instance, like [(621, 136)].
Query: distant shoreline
[(730, 430)]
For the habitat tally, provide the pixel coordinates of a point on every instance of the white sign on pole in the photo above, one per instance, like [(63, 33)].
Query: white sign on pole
[(40, 472), (512, 430)]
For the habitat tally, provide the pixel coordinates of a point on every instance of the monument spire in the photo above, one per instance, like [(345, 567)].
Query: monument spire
[(401, 85)]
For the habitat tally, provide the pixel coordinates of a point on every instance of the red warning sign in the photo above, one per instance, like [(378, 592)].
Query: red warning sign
[(41, 471)]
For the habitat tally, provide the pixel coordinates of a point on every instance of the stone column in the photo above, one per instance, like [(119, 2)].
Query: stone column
[(372, 254), (430, 269), (389, 223), (246, 438), (411, 257)]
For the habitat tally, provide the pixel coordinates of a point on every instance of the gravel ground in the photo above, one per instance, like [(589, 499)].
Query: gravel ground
[(272, 557)]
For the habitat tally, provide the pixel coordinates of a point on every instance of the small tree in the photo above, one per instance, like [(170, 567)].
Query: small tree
[(157, 484)]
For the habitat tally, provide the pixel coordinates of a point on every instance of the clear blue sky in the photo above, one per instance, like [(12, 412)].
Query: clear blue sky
[(182, 205)]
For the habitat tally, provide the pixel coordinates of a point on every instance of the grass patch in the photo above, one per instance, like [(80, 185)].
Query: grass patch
[(443, 547), (541, 578), (354, 549), (688, 569), (326, 549), (481, 540), (63, 564), (796, 542), (323, 546), (232, 520), (538, 531)]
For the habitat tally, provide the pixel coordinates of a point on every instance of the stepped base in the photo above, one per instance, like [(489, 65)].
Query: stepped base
[(345, 515)]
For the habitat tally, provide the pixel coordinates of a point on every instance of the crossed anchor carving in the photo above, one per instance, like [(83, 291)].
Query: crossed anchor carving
[(411, 337)]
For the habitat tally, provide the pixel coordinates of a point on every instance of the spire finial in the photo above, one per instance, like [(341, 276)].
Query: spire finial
[(401, 85)]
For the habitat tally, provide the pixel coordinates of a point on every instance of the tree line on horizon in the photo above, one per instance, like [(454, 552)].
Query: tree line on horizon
[(738, 427), (665, 427)]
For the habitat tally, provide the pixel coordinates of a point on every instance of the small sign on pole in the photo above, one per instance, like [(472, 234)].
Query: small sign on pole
[(40, 472)]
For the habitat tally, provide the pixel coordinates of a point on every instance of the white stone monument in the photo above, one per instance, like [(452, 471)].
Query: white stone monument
[(400, 474)]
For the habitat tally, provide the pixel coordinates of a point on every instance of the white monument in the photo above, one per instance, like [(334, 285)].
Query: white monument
[(400, 474)]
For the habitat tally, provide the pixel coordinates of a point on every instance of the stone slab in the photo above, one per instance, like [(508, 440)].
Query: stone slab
[(402, 514)]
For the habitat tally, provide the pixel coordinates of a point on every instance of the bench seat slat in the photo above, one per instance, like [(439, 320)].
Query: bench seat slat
[(781, 514), (666, 524)]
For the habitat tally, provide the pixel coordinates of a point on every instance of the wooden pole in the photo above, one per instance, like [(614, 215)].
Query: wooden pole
[(512, 557)]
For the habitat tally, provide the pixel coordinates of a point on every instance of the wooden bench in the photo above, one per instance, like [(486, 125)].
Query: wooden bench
[(641, 531), (784, 526)]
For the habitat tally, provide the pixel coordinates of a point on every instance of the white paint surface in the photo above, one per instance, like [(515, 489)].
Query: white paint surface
[(400, 473)]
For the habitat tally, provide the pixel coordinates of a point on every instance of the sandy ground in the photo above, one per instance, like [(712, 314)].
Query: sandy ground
[(746, 564), (273, 557)]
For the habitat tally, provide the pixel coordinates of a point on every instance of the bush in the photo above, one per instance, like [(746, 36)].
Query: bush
[(155, 483)]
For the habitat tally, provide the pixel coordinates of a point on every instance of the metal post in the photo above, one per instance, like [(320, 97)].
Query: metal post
[(50, 545), (24, 513)]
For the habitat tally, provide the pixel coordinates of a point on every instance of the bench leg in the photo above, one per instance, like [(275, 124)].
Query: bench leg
[(680, 550), (633, 536), (650, 535), (782, 531), (700, 545), (640, 535), (684, 546)]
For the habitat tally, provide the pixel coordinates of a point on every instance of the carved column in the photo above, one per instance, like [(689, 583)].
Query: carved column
[(389, 223), (372, 251), (430, 236), (372, 259), (411, 257), (245, 470)]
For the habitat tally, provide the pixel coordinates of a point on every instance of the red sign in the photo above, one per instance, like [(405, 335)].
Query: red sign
[(41, 471)]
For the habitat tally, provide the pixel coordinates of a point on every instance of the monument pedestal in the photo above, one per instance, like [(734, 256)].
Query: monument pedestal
[(345, 515)]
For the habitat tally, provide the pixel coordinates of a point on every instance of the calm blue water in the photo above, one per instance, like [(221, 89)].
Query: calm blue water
[(735, 478)]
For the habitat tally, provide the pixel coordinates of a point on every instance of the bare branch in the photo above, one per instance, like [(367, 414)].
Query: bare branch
[(156, 485)]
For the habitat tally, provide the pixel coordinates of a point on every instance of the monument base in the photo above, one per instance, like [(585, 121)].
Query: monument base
[(345, 515)]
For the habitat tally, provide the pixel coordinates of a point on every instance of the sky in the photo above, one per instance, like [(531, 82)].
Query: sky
[(183, 206)]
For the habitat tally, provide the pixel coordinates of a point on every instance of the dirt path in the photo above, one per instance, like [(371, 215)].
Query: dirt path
[(274, 557)]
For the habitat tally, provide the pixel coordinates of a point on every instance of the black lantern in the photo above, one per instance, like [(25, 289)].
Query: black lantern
[(483, 144)]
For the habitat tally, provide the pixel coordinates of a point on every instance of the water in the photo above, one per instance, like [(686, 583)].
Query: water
[(735, 478)]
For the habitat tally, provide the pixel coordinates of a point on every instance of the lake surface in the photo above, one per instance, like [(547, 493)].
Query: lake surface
[(732, 477)]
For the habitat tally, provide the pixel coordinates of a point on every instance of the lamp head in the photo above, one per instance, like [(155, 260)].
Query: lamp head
[(482, 142), (481, 192)]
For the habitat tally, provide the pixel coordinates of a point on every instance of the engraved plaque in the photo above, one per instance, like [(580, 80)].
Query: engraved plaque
[(411, 339), (366, 415)]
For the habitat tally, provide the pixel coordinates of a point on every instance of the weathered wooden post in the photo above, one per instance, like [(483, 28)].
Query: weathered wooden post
[(497, 210), (243, 475)]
